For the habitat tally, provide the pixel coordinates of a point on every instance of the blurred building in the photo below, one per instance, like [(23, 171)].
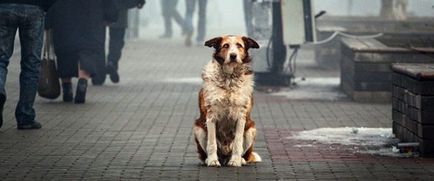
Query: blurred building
[(371, 7)]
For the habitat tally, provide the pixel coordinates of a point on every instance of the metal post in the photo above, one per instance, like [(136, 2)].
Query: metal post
[(279, 49)]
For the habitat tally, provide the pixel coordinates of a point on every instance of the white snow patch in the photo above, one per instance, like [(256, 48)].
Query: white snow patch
[(315, 88), (348, 136), (188, 80), (302, 146), (375, 141)]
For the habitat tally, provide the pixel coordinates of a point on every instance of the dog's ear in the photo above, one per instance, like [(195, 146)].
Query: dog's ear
[(250, 43), (215, 42)]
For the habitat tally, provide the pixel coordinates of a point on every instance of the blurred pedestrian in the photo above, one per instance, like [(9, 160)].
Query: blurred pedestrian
[(169, 12), (201, 24), (28, 18), (394, 9), (257, 19), (79, 28), (117, 35)]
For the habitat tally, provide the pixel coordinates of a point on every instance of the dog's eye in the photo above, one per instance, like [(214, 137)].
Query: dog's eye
[(226, 46), (239, 45)]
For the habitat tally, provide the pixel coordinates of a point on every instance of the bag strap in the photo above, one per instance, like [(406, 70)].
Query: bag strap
[(46, 48), (48, 43)]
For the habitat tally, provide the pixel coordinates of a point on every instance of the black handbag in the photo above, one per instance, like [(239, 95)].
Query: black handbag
[(49, 85)]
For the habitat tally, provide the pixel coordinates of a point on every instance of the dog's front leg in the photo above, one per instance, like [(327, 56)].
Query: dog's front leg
[(212, 159), (237, 150)]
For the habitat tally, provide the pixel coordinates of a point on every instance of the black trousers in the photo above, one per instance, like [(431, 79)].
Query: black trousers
[(116, 44)]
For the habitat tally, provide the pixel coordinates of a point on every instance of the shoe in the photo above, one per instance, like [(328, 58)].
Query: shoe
[(199, 42), (2, 104), (188, 41), (80, 94), (99, 79), (67, 92), (33, 125), (111, 70)]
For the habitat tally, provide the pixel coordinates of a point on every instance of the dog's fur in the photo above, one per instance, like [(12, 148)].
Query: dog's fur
[(224, 132)]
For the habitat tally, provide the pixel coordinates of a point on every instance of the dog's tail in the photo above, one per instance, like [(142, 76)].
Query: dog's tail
[(254, 157)]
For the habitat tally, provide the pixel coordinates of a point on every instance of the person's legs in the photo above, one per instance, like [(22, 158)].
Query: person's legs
[(165, 9), (175, 14), (31, 34), (201, 27), (83, 77), (88, 62), (8, 29), (66, 80), (188, 21), (67, 67), (67, 89), (83, 74), (93, 61), (116, 44), (189, 10)]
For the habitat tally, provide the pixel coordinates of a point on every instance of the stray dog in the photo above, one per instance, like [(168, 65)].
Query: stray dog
[(224, 132)]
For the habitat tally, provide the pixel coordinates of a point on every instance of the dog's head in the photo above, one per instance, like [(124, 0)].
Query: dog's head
[(230, 50)]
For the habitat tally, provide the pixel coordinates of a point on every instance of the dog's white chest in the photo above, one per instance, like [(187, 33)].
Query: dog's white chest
[(226, 96), (230, 100), (228, 103)]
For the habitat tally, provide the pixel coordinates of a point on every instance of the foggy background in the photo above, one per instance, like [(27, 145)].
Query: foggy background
[(227, 16), (371, 7), (223, 17)]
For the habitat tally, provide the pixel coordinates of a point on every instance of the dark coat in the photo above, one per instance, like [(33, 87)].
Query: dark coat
[(44, 4), (79, 33), (123, 6)]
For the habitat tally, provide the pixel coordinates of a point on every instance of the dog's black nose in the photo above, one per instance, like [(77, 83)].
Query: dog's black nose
[(233, 56)]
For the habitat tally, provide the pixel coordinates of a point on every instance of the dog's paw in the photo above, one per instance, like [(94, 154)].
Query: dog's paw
[(236, 161), (243, 161), (213, 163)]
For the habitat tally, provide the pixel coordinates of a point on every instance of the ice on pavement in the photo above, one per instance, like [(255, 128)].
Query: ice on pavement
[(314, 89), (348, 136), (185, 80), (377, 141)]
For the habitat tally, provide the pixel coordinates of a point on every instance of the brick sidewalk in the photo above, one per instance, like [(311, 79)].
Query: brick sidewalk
[(141, 130)]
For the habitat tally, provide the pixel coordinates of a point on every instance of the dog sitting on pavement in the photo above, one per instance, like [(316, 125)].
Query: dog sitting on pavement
[(224, 132)]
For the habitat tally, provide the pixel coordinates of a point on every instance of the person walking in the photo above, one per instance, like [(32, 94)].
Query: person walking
[(169, 12), (188, 24), (27, 16), (117, 35), (78, 28)]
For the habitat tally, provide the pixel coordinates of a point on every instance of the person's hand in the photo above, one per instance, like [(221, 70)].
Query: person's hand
[(141, 3)]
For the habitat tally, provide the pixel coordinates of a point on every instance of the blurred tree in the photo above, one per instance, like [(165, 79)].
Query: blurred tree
[(394, 9)]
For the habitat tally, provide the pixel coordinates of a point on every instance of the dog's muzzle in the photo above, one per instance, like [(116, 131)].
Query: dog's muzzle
[(233, 57)]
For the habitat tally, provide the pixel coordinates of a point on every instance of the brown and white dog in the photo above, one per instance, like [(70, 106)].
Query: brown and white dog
[(224, 132)]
